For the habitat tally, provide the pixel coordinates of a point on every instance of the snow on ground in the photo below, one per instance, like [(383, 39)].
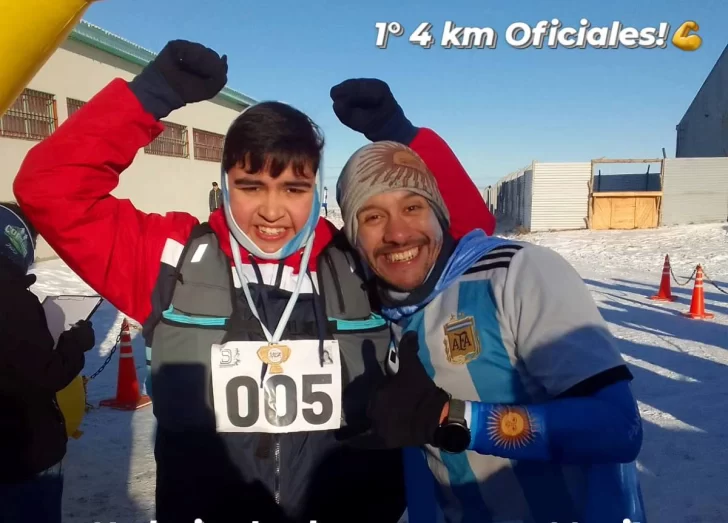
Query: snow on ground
[(680, 367)]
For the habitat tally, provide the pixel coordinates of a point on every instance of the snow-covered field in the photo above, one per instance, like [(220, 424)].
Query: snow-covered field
[(680, 367)]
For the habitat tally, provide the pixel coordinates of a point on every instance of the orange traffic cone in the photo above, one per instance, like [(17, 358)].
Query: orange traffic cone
[(665, 293), (127, 386), (697, 305)]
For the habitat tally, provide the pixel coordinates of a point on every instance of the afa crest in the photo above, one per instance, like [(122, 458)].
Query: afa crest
[(461, 340)]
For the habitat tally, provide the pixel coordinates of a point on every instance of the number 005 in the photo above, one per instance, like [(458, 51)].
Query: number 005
[(309, 397)]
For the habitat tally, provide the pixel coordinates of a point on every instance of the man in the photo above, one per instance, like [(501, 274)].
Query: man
[(215, 198), (265, 297), (325, 202), (32, 429), (507, 377)]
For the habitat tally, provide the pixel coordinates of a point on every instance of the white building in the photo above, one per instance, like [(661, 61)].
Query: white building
[(174, 173), (703, 130)]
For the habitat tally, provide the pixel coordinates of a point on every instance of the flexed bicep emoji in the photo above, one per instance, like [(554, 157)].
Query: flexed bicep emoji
[(682, 39)]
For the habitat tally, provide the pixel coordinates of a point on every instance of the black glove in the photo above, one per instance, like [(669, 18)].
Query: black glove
[(368, 106), (183, 73), (80, 335), (406, 408)]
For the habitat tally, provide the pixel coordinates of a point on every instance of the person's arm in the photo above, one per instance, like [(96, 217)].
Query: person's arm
[(27, 347), (64, 187), (603, 427), (368, 106), (467, 207), (565, 344)]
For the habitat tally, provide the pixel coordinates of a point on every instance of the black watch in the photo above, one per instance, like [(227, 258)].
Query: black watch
[(453, 435)]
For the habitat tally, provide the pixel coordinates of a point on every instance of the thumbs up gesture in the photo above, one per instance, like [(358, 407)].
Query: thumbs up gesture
[(406, 408)]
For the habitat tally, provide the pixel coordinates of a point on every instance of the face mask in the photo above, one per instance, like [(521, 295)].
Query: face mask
[(16, 243)]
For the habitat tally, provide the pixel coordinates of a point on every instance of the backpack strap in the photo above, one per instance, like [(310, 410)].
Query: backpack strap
[(199, 230), (204, 280), (345, 289), (167, 281)]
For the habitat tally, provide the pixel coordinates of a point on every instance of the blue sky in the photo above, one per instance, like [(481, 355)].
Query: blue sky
[(499, 109)]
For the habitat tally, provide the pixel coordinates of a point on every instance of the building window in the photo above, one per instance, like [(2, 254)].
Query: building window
[(172, 142), (73, 105), (208, 146), (33, 116)]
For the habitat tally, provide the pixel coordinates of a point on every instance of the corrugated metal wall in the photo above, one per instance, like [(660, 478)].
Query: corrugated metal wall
[(560, 196), (695, 190), (527, 203), (555, 196), (513, 196), (490, 195)]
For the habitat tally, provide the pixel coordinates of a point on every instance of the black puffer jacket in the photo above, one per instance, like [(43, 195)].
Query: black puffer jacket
[(32, 429)]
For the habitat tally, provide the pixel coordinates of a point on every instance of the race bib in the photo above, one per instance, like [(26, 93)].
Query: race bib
[(296, 395)]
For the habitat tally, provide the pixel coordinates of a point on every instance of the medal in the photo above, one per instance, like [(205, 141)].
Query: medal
[(274, 355)]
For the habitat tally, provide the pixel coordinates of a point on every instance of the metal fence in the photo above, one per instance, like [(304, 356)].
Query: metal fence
[(544, 196), (511, 198), (555, 196)]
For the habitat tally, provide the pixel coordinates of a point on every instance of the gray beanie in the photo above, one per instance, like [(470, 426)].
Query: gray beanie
[(381, 167)]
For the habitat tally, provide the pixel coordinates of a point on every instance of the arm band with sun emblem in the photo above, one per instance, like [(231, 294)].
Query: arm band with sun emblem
[(602, 428)]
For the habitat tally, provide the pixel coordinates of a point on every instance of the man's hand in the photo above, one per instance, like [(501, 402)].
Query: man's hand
[(193, 71), (367, 105), (406, 408), (80, 335)]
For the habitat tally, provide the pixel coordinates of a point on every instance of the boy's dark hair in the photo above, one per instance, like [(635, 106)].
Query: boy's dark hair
[(273, 135), (16, 209)]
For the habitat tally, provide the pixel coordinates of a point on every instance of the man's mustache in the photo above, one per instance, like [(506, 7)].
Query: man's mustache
[(389, 249)]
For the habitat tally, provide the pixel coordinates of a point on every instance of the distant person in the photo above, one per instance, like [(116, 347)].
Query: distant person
[(32, 429), (325, 202), (215, 198)]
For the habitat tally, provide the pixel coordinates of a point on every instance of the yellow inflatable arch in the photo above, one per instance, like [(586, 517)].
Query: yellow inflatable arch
[(30, 31)]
